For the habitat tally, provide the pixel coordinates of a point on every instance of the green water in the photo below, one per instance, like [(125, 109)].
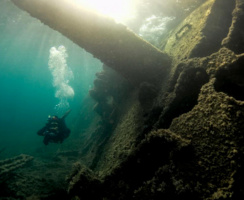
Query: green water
[(27, 94)]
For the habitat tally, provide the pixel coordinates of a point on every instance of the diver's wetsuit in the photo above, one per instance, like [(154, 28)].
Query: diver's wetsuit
[(55, 130)]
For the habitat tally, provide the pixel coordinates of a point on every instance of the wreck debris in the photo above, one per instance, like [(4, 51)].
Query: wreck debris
[(205, 32), (214, 30), (185, 94), (229, 79), (11, 164), (84, 182), (235, 39), (147, 92), (108, 92), (112, 43)]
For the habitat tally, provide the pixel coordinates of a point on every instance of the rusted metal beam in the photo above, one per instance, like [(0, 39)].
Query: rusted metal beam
[(114, 44)]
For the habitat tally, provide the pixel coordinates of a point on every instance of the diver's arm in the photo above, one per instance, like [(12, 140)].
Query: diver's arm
[(41, 131), (66, 114)]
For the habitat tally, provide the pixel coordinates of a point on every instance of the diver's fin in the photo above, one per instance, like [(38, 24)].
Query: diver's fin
[(66, 114)]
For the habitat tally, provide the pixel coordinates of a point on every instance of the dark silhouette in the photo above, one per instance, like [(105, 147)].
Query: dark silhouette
[(55, 130)]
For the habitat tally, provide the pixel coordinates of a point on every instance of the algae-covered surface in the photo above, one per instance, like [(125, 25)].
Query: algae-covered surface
[(146, 123)]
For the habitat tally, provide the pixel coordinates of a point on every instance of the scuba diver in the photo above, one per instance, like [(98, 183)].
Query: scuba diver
[(55, 130)]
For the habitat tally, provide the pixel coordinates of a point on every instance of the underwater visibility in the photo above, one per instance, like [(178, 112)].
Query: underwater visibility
[(120, 100)]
